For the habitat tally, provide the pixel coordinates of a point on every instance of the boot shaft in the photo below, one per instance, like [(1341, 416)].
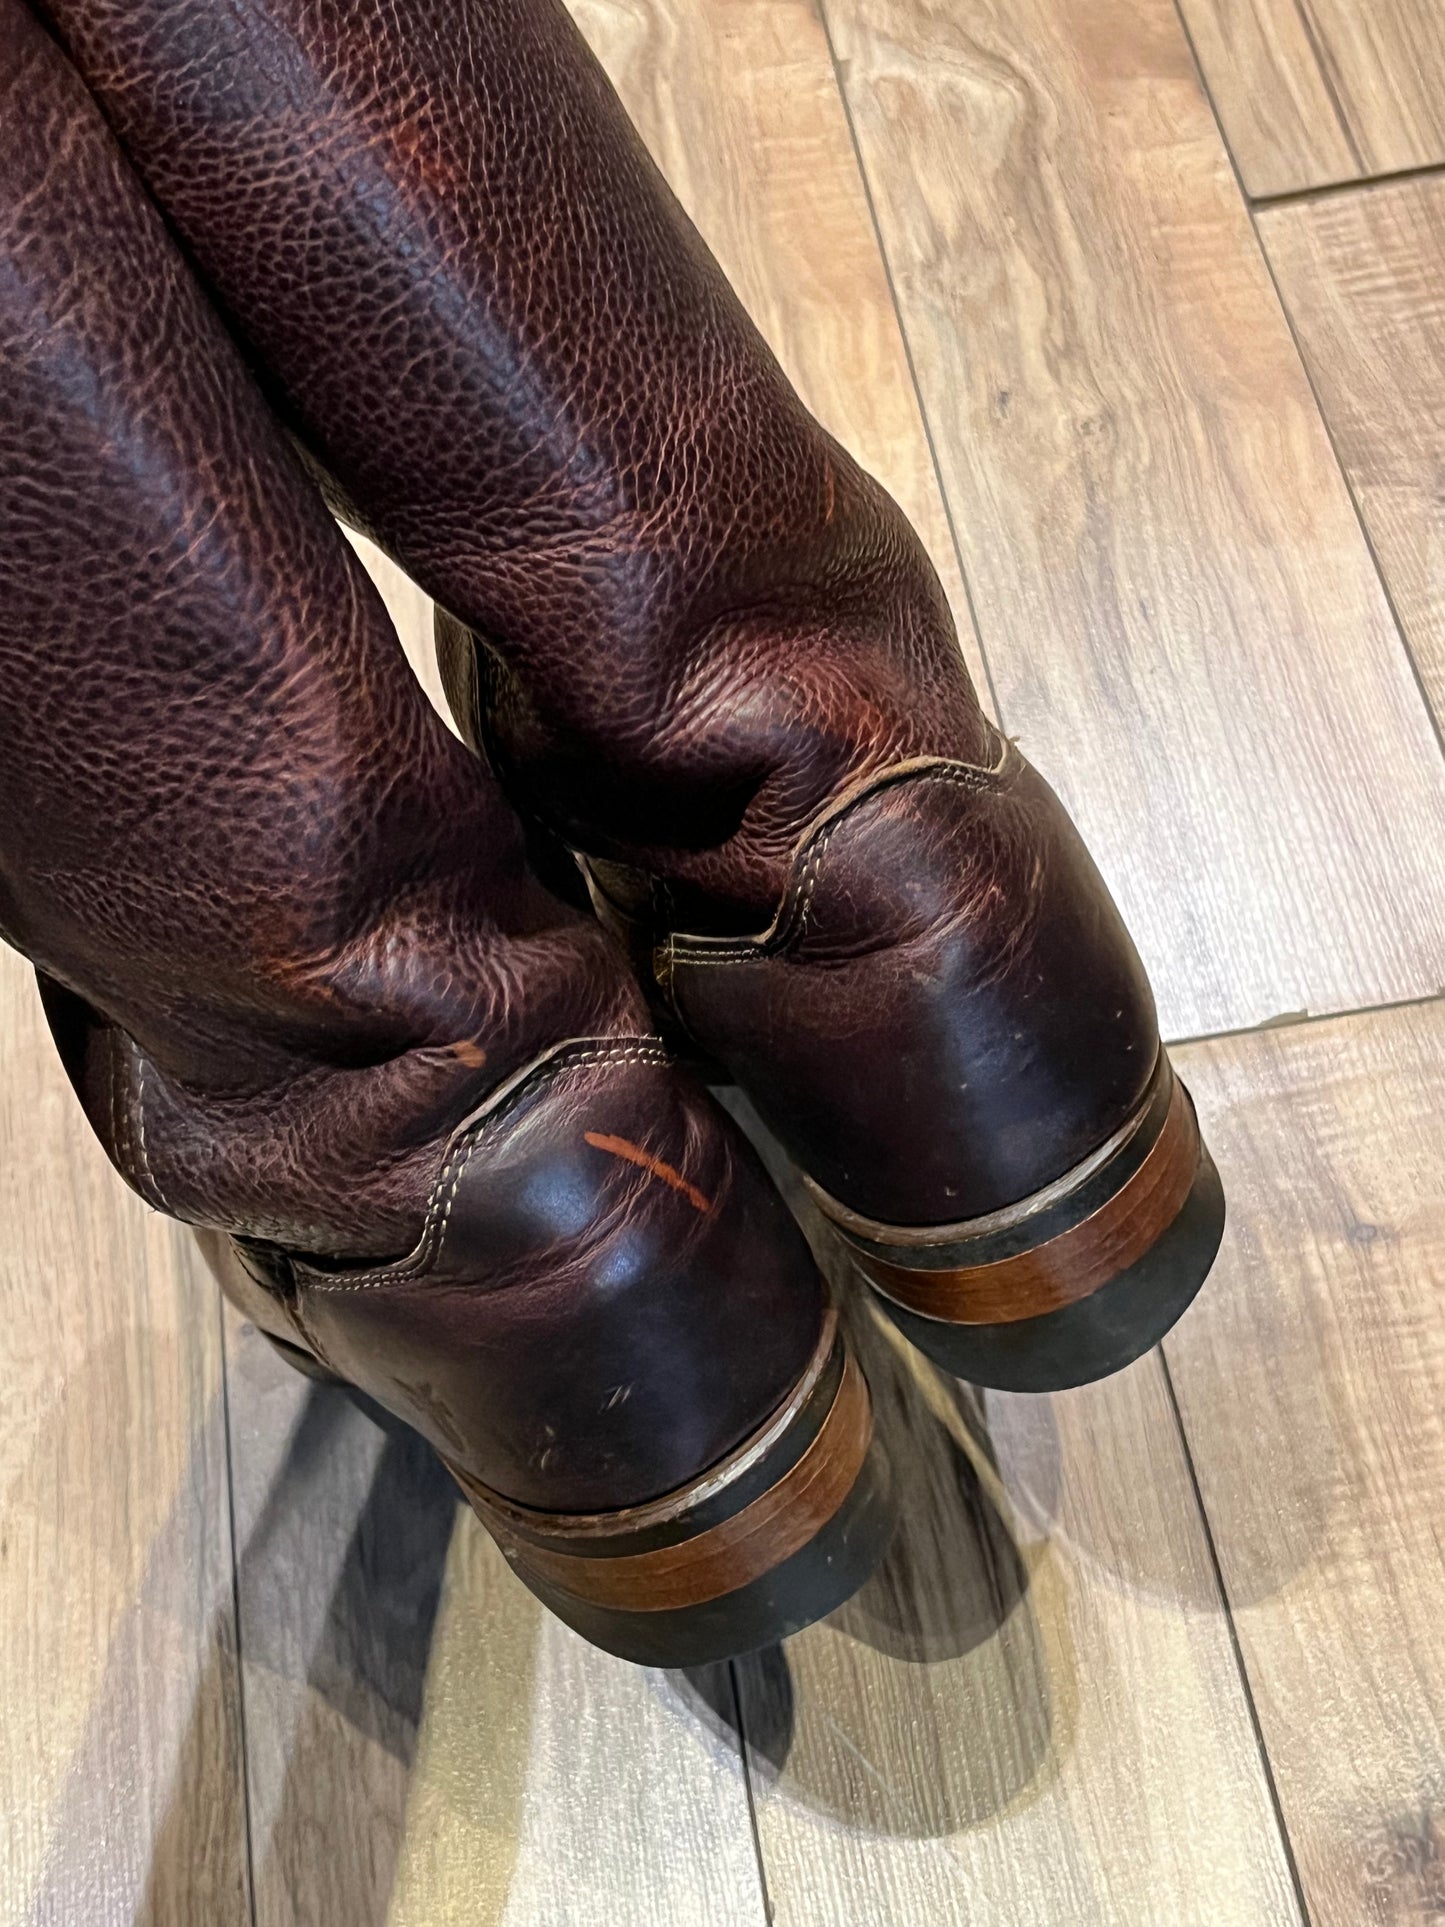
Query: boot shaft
[(699, 642), (288, 930), (472, 292)]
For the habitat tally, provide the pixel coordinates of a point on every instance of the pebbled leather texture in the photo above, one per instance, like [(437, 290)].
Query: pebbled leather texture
[(470, 289), (285, 915), (286, 933), (695, 623)]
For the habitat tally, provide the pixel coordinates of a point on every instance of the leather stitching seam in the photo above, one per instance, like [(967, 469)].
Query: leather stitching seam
[(962, 776), (443, 1193), (117, 1148), (140, 1118)]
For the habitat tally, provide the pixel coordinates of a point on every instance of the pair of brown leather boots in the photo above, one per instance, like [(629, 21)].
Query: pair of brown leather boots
[(291, 933)]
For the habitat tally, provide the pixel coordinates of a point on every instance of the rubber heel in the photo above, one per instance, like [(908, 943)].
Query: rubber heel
[(783, 1531), (1073, 1284)]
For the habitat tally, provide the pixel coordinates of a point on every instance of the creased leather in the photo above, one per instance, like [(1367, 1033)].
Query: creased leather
[(695, 622), (291, 913), (287, 937)]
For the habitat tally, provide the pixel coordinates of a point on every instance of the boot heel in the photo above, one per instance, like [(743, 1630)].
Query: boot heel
[(785, 1529), (1073, 1283)]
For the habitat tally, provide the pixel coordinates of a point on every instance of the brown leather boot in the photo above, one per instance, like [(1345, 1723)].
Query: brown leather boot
[(700, 645), (310, 996)]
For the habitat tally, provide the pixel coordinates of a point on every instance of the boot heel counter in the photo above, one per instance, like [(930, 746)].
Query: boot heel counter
[(948, 1011), (607, 1297)]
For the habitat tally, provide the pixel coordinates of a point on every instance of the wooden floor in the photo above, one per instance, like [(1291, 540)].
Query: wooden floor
[(1168, 1650)]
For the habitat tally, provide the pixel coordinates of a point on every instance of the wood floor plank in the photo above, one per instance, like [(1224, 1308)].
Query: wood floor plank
[(1311, 1377), (337, 1591), (892, 1746), (1314, 91), (1283, 121), (425, 1745), (1363, 277), (120, 1762), (1033, 1712), (737, 101), (1180, 613), (410, 609)]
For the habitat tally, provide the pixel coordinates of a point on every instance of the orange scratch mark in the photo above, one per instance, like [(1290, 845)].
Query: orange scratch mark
[(472, 1055), (621, 1147), (832, 491)]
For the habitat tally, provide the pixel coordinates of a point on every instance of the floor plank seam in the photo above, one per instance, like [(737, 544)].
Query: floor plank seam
[(1356, 184), (236, 1616), (1307, 1019), (1436, 725), (1245, 1685), (924, 418), (747, 1765)]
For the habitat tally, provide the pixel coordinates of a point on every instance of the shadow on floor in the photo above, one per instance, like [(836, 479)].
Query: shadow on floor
[(923, 1705), (360, 1656), (919, 1707)]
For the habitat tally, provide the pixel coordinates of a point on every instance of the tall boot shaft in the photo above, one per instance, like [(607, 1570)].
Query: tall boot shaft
[(285, 914), (498, 332), (311, 996), (705, 647)]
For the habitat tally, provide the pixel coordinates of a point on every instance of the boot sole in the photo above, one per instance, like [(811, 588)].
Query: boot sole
[(784, 1530), (1072, 1284)]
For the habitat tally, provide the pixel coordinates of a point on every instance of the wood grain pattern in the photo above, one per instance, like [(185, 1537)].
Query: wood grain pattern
[(1275, 101), (1032, 1712), (120, 1763), (1314, 91), (1311, 1376), (737, 101), (1363, 276), (1181, 616), (341, 1536)]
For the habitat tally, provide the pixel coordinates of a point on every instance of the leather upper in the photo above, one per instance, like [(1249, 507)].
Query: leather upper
[(947, 1013), (607, 1297), (681, 620), (469, 288), (303, 980), (288, 928)]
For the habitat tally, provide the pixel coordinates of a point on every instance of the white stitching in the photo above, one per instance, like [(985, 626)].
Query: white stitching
[(118, 1147), (156, 1197), (131, 1149), (965, 775), (449, 1178)]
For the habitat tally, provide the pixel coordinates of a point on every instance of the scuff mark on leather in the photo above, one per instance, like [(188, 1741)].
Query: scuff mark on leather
[(621, 1147)]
